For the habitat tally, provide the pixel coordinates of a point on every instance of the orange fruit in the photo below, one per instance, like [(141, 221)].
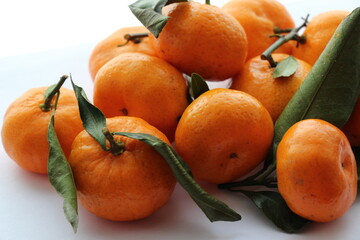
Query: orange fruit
[(130, 186), (223, 135), (257, 80), (317, 34), (200, 38), (259, 18), (144, 86), (109, 47), (25, 128), (352, 127), (316, 170)]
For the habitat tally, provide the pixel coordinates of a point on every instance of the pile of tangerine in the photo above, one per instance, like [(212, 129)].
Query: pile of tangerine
[(222, 135)]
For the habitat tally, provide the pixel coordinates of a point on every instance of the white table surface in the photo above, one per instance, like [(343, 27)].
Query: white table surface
[(29, 206)]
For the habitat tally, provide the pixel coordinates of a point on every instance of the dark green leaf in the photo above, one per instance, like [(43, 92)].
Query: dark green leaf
[(93, 119), (286, 67), (332, 87), (60, 176), (149, 13), (214, 209), (197, 86), (356, 151), (275, 208)]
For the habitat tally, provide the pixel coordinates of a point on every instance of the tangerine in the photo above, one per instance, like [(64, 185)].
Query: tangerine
[(130, 186), (317, 35), (135, 84), (116, 44), (316, 170), (25, 127), (259, 18), (200, 38), (257, 80), (223, 135)]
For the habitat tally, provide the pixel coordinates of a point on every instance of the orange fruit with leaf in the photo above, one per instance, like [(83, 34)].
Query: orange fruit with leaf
[(203, 39), (123, 186), (256, 78), (25, 126)]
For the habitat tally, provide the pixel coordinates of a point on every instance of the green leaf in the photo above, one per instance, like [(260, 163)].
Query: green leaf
[(214, 209), (275, 208), (332, 87), (197, 86), (148, 12), (61, 177), (93, 119), (356, 151), (286, 67)]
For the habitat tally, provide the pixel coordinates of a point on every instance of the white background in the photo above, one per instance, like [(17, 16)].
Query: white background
[(42, 40)]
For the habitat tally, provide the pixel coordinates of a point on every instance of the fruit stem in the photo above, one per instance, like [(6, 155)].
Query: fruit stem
[(116, 147), (282, 39), (133, 37), (207, 2), (46, 105)]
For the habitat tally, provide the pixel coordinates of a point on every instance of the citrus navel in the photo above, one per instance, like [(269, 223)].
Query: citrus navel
[(116, 44), (200, 38), (317, 35), (25, 127), (257, 80), (130, 186), (316, 170), (259, 18), (224, 134), (352, 127), (144, 86)]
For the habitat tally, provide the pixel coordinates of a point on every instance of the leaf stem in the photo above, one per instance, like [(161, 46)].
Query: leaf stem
[(116, 147), (133, 37), (292, 35), (263, 179), (46, 106)]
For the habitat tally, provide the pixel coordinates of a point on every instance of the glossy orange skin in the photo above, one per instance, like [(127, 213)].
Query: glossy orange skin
[(25, 128), (352, 127), (200, 38), (223, 135), (318, 33), (144, 86), (316, 170), (127, 187), (257, 80), (258, 18), (108, 48)]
